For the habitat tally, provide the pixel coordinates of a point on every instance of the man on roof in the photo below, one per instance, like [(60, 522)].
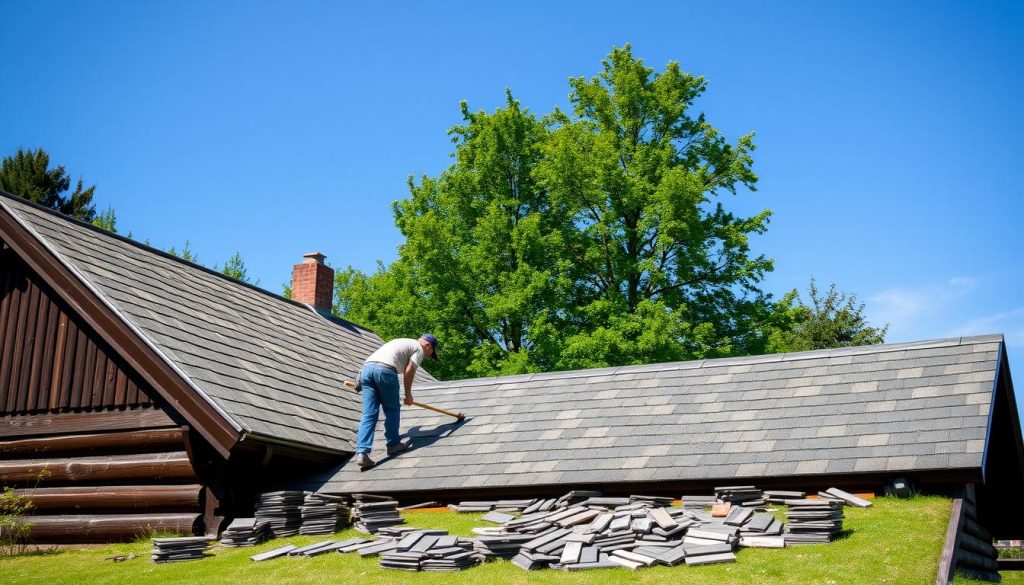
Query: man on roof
[(379, 382)]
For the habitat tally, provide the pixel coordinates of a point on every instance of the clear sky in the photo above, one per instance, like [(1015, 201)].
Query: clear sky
[(888, 133)]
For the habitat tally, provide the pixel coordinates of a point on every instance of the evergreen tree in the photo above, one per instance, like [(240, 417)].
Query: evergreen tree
[(28, 175)]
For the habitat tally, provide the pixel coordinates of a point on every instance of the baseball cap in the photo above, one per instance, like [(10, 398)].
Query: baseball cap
[(429, 338)]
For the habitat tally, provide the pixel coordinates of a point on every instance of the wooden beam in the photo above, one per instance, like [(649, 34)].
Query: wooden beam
[(84, 528), (165, 498), (146, 466), (125, 441), (36, 425), (947, 562), (213, 517)]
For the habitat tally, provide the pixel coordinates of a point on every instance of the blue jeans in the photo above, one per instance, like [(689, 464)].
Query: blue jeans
[(380, 390)]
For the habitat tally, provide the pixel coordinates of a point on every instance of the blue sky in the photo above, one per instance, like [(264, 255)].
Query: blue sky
[(887, 132)]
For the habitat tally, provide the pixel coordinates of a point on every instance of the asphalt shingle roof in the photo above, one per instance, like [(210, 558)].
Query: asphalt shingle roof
[(885, 408), (276, 367)]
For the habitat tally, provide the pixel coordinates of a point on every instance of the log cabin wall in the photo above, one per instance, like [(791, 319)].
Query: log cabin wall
[(50, 360), (81, 434)]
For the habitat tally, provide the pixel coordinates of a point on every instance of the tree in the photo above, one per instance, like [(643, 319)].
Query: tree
[(479, 265), (577, 240), (107, 220), (185, 254), (661, 270), (28, 175), (235, 268), (834, 319)]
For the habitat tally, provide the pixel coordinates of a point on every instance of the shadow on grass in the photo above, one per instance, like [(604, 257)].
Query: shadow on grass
[(843, 535)]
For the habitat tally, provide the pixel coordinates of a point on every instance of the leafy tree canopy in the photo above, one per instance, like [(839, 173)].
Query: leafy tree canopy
[(577, 239), (28, 175)]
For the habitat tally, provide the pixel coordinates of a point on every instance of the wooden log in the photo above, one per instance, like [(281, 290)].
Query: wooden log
[(147, 440), (966, 559), (145, 466), (977, 545), (970, 511), (62, 424), (82, 528), (167, 498), (974, 529), (981, 575)]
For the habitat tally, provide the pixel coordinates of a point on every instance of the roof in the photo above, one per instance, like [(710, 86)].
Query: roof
[(272, 367), (885, 408)]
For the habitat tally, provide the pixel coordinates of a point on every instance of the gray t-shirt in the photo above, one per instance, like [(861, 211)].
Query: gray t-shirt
[(397, 353)]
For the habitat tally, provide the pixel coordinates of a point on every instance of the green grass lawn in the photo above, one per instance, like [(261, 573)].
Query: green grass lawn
[(896, 541)]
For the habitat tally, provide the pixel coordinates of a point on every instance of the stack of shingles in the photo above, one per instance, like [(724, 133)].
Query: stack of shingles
[(430, 550), (184, 548), (323, 514), (741, 495), (813, 521), (245, 532), (372, 513), (313, 549), (282, 510), (587, 531)]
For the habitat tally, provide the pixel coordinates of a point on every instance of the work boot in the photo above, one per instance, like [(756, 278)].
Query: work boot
[(399, 447), (364, 461)]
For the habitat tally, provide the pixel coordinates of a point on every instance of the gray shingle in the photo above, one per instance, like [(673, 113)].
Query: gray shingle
[(786, 426)]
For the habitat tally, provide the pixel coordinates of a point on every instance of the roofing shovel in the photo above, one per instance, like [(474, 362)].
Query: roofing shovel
[(458, 415)]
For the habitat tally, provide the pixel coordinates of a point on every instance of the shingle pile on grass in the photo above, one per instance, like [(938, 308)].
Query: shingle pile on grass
[(323, 514), (412, 549), (583, 530), (813, 521), (245, 532), (282, 510), (372, 513), (426, 550), (741, 495), (183, 548)]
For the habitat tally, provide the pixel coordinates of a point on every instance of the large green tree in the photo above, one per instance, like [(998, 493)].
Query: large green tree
[(28, 175), (662, 270), (480, 265), (578, 239)]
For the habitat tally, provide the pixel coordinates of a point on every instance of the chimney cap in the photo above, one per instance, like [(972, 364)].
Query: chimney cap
[(314, 257)]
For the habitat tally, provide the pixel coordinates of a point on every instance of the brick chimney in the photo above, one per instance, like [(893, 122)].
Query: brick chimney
[(313, 282)]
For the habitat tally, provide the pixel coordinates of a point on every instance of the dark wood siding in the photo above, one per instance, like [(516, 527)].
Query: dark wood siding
[(50, 360)]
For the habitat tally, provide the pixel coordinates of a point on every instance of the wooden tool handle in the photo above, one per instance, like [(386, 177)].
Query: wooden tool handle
[(458, 415)]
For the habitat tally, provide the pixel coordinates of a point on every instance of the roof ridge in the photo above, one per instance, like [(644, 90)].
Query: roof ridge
[(151, 249)]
